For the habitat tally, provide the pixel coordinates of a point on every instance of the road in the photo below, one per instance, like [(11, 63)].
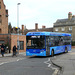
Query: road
[(66, 61), (26, 66)]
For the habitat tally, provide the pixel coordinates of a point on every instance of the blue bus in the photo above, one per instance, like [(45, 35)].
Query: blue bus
[(47, 43)]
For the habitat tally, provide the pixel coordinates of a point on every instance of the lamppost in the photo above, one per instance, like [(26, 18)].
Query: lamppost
[(18, 26)]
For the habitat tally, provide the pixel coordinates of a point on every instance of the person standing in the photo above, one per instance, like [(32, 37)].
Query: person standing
[(2, 50), (14, 50)]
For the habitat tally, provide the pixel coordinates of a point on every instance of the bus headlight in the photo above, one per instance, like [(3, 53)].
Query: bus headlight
[(27, 52)]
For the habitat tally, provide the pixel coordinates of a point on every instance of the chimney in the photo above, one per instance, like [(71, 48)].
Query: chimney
[(36, 26), (43, 26), (69, 15), (73, 16), (22, 29)]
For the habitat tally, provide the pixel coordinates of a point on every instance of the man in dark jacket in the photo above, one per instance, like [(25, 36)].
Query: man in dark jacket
[(14, 50), (2, 50)]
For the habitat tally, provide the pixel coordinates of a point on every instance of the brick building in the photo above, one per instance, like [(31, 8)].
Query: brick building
[(3, 18), (9, 39), (66, 25), (43, 29)]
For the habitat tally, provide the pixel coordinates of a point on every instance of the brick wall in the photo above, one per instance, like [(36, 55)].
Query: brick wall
[(4, 37), (3, 19), (11, 40), (14, 41)]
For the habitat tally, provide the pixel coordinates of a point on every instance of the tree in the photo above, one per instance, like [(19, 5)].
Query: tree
[(9, 28)]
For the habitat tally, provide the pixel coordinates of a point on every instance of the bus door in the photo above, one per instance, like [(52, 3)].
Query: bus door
[(47, 46)]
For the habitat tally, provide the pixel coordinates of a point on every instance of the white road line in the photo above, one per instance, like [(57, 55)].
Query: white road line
[(55, 72), (48, 62), (11, 61), (69, 51), (49, 65), (1, 63), (18, 59)]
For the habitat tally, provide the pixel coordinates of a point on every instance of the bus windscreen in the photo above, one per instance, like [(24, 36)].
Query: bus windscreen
[(35, 42)]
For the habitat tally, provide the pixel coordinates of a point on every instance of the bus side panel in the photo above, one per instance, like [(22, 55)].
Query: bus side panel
[(57, 49)]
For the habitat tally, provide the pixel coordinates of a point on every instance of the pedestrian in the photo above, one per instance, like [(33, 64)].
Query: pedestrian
[(2, 50), (14, 50)]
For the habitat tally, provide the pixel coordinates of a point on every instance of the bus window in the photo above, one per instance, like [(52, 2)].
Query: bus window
[(35, 42), (67, 40), (56, 40), (52, 42), (29, 43), (60, 40)]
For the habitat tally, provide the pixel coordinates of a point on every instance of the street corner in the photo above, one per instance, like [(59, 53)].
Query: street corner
[(59, 68), (72, 52)]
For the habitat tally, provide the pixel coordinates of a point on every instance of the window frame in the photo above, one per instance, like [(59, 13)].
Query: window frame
[(70, 28), (56, 29), (21, 47), (63, 29)]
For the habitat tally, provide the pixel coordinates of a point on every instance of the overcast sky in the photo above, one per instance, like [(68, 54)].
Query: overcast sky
[(43, 12)]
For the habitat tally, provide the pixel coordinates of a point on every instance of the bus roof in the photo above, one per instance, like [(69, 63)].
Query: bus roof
[(47, 34)]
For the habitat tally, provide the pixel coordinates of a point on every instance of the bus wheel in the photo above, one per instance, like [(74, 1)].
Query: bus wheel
[(66, 50), (52, 53)]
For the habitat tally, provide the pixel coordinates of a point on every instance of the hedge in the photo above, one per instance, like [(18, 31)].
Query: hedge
[(73, 43)]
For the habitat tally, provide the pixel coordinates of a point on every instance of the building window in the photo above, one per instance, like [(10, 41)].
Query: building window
[(0, 18), (0, 21), (63, 29), (0, 31), (0, 5), (21, 45), (70, 28), (56, 29), (2, 41)]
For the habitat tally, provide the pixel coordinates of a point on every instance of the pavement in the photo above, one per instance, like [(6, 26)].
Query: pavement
[(66, 62), (10, 54)]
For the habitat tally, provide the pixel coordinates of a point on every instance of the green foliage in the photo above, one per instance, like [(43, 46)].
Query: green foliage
[(73, 43), (9, 28)]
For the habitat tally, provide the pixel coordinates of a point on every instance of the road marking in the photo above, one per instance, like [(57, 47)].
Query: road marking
[(48, 62), (69, 51), (11, 61), (49, 65), (18, 59), (55, 72), (3, 63)]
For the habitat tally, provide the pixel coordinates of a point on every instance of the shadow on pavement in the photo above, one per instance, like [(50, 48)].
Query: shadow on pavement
[(45, 56)]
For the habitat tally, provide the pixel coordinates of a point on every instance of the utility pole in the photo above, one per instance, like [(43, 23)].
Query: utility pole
[(18, 26)]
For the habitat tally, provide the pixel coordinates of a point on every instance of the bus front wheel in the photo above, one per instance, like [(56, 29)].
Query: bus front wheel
[(52, 53)]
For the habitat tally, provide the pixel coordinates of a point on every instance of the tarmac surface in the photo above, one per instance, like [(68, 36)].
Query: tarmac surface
[(66, 62), (22, 65)]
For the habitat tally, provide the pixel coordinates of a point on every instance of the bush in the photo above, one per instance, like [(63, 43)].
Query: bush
[(73, 43)]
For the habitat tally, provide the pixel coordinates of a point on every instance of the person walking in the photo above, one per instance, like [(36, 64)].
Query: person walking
[(2, 50), (14, 50)]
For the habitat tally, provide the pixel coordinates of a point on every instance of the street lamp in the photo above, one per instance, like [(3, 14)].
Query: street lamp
[(18, 26)]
